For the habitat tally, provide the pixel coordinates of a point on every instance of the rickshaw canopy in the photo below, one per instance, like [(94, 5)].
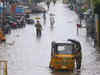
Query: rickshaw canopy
[(63, 48)]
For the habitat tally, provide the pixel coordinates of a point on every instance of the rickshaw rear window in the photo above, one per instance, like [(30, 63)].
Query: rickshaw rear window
[(66, 49)]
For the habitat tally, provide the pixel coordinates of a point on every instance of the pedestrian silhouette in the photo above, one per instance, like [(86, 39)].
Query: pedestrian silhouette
[(38, 28), (54, 1), (48, 4), (44, 16), (52, 19)]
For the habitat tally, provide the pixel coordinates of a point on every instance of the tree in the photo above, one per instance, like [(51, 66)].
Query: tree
[(95, 2), (97, 6)]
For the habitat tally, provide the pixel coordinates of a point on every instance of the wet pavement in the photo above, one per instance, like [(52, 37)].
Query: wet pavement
[(28, 55)]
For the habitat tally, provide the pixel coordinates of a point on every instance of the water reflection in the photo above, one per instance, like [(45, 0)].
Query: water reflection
[(38, 38), (66, 72), (25, 54), (51, 27), (62, 73), (97, 52), (78, 73), (44, 22)]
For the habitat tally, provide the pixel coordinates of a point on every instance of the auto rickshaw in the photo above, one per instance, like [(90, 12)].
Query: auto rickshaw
[(2, 37), (62, 56), (12, 21)]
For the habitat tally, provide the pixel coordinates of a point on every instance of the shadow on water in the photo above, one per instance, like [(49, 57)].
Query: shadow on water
[(65, 72), (78, 73), (51, 27), (44, 21), (97, 52), (38, 37), (62, 72)]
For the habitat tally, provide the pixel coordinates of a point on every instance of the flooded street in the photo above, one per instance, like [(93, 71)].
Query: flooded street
[(29, 55)]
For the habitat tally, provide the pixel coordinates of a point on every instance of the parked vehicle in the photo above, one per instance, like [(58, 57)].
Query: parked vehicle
[(27, 16), (20, 16), (12, 21), (16, 22), (27, 10), (20, 21), (70, 6), (38, 9), (7, 29), (30, 21), (13, 25)]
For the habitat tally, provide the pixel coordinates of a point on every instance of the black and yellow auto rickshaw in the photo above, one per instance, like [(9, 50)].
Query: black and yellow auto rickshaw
[(62, 57)]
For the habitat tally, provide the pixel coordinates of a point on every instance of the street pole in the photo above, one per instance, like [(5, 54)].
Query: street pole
[(92, 7), (80, 15), (4, 12), (77, 30), (80, 20), (3, 18)]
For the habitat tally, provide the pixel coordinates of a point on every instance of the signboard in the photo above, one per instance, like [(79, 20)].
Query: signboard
[(97, 29), (19, 11), (1, 10)]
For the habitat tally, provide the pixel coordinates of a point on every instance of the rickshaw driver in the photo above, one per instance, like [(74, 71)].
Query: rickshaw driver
[(78, 53)]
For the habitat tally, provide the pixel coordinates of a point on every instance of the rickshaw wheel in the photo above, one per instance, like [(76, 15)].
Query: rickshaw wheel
[(51, 68), (53, 44), (72, 70)]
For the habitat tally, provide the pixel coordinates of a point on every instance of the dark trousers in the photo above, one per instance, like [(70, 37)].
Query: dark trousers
[(38, 31), (78, 62), (2, 41)]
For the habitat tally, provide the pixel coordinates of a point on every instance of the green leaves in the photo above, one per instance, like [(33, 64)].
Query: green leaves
[(97, 6), (95, 2)]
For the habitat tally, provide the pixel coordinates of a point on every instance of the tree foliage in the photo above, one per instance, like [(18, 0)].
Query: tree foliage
[(97, 6), (96, 2)]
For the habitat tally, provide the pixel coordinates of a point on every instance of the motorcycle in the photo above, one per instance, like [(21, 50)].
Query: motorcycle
[(21, 21)]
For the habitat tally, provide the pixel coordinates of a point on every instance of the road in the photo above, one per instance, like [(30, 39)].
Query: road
[(29, 55)]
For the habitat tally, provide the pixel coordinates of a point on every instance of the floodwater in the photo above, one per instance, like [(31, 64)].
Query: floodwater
[(29, 55)]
